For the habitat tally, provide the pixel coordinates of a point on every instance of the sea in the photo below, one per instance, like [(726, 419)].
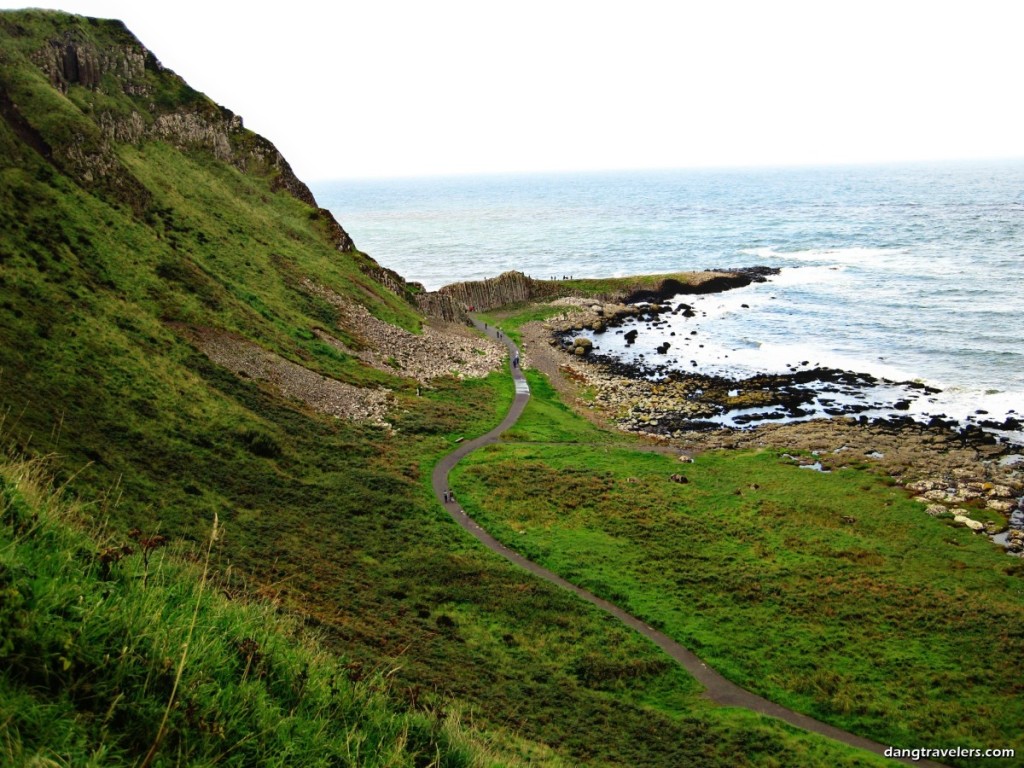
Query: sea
[(905, 273)]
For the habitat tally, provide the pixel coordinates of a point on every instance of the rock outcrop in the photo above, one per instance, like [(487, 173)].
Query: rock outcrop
[(453, 301), (104, 57)]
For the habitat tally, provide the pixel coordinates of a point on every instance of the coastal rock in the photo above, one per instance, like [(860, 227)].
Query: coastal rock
[(940, 467), (974, 525), (1001, 506), (581, 342)]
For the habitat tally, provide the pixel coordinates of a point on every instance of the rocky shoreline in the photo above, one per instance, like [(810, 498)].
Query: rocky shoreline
[(960, 472)]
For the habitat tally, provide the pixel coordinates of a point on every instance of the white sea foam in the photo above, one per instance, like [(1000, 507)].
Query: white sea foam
[(854, 255)]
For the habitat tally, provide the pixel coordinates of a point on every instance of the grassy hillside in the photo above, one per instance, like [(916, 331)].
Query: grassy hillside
[(138, 219), (122, 655)]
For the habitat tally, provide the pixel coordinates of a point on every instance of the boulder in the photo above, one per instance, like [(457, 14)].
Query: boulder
[(999, 505), (974, 525)]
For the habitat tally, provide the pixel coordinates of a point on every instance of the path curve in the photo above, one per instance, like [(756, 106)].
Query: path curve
[(716, 688)]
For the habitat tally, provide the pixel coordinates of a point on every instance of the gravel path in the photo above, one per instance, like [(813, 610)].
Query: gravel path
[(717, 688)]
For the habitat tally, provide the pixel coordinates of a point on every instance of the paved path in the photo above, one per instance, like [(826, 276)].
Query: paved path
[(716, 687)]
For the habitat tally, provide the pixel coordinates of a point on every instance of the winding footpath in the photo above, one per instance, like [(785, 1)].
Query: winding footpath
[(716, 688)]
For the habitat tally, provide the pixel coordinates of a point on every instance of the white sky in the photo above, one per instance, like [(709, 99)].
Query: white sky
[(362, 88)]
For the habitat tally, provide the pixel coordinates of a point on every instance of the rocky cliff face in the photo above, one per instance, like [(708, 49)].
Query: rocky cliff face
[(452, 301), (70, 58), (130, 98)]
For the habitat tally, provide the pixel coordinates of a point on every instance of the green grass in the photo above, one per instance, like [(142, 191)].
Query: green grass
[(509, 319), (893, 625), (547, 419), (107, 657)]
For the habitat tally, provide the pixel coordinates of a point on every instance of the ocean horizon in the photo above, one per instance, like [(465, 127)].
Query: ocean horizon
[(904, 272)]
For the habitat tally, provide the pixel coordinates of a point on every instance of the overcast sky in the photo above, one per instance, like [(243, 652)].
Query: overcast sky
[(369, 88)]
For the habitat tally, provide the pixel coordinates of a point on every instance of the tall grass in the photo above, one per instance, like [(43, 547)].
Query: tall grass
[(99, 666)]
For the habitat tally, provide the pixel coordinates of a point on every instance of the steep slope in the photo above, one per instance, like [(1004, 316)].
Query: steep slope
[(190, 336), (139, 216)]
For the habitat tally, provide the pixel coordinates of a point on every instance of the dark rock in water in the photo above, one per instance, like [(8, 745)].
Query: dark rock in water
[(745, 306), (702, 426), (1011, 424), (902, 405), (735, 278), (663, 348), (630, 336)]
